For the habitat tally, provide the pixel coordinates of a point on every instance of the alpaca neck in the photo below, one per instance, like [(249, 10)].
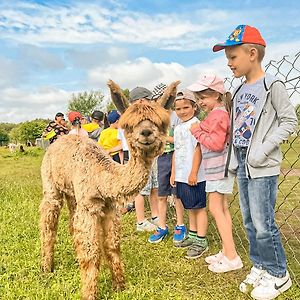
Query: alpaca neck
[(135, 173)]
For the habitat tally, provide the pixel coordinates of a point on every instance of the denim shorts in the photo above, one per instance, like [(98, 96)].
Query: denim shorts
[(191, 196), (164, 166), (222, 186)]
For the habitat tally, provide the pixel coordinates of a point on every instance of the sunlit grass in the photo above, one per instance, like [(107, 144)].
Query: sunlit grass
[(152, 271)]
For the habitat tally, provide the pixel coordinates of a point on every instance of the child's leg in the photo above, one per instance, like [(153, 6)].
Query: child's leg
[(263, 193), (201, 221), (219, 210), (162, 212), (139, 208), (179, 211), (153, 200)]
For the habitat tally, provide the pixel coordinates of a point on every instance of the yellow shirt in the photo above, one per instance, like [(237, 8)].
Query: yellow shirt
[(109, 139), (90, 127)]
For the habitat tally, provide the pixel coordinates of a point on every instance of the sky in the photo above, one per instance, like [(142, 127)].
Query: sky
[(50, 50)]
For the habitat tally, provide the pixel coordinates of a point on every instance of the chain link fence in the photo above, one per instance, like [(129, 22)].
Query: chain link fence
[(288, 205)]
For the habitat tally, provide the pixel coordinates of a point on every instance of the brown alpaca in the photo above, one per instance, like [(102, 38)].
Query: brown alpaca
[(76, 169)]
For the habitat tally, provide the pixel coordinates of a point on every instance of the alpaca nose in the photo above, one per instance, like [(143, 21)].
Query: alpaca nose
[(146, 132)]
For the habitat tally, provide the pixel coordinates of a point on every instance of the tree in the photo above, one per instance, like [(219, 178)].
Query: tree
[(86, 102), (28, 131), (4, 138)]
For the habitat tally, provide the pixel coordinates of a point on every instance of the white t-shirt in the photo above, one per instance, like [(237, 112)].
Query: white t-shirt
[(121, 137), (185, 144)]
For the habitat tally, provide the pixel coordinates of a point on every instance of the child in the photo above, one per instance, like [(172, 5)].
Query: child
[(75, 119), (109, 137), (212, 134), (136, 95), (189, 176), (262, 117), (164, 166)]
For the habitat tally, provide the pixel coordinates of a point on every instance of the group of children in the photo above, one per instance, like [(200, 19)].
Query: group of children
[(239, 137)]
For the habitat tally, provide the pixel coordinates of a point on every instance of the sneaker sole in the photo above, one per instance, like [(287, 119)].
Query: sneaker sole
[(198, 256), (279, 291), (157, 241), (224, 271)]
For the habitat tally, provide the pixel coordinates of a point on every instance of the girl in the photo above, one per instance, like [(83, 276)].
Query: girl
[(75, 119), (189, 176), (212, 134)]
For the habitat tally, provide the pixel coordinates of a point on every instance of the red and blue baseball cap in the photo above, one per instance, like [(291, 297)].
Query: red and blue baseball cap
[(243, 34)]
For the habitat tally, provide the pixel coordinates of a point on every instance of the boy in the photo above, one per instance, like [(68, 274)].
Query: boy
[(261, 118), (164, 166), (109, 137), (140, 94)]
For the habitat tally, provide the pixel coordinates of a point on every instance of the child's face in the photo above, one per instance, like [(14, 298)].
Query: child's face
[(184, 109), (239, 60), (208, 101)]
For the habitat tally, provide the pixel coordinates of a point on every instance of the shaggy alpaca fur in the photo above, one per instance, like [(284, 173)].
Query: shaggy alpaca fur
[(76, 169)]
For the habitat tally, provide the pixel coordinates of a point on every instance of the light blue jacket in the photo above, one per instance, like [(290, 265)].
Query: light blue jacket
[(276, 120)]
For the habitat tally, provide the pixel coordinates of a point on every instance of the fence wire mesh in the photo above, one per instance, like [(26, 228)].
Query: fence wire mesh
[(288, 205)]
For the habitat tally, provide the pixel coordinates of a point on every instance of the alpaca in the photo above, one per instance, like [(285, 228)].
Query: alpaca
[(76, 169)]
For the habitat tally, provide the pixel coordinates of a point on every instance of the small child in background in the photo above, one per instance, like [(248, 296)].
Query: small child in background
[(109, 137), (75, 120), (188, 174), (213, 135)]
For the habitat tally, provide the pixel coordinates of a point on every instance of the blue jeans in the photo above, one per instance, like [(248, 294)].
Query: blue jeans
[(257, 202)]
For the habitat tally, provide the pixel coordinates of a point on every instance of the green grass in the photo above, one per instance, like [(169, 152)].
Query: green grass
[(152, 271)]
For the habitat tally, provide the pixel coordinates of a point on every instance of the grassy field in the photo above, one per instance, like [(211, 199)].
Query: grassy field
[(152, 271)]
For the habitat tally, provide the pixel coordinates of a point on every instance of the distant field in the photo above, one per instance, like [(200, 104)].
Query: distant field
[(152, 271)]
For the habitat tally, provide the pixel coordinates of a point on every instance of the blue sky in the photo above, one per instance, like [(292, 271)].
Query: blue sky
[(51, 49)]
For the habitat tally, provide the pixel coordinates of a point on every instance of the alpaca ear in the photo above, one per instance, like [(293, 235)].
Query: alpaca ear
[(169, 95), (117, 96)]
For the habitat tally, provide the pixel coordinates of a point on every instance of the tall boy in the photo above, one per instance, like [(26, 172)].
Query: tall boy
[(262, 117)]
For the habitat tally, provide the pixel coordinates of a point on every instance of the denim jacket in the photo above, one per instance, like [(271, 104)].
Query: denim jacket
[(276, 120)]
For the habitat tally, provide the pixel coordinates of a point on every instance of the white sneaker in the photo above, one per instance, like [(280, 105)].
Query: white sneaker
[(155, 221), (226, 265), (269, 287), (146, 226), (252, 279), (214, 258)]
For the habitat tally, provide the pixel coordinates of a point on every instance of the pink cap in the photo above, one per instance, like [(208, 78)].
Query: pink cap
[(205, 82)]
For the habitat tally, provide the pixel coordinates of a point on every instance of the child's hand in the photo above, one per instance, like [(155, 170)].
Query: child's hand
[(172, 180), (192, 180), (194, 125)]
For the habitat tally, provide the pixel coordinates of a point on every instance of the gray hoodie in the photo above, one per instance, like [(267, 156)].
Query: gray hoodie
[(276, 120)]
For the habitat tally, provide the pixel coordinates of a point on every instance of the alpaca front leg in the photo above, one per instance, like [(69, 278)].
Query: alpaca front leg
[(49, 215), (87, 240), (111, 235)]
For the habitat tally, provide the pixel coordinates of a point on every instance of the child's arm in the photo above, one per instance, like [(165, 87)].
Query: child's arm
[(212, 132), (287, 118), (197, 157)]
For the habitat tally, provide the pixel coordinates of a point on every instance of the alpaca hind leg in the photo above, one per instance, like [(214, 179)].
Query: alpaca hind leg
[(111, 237), (87, 240), (49, 214), (71, 202)]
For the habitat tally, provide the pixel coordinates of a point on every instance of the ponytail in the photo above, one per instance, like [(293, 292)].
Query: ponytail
[(227, 101)]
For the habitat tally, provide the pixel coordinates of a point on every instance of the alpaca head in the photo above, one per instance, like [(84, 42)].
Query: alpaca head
[(145, 123)]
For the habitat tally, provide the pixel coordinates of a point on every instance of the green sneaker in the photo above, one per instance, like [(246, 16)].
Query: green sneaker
[(187, 242), (196, 250)]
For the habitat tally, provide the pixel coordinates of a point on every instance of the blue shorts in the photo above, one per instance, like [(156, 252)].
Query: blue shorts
[(164, 166), (191, 196)]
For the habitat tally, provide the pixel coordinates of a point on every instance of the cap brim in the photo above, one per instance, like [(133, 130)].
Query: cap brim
[(197, 87), (218, 47), (222, 46)]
